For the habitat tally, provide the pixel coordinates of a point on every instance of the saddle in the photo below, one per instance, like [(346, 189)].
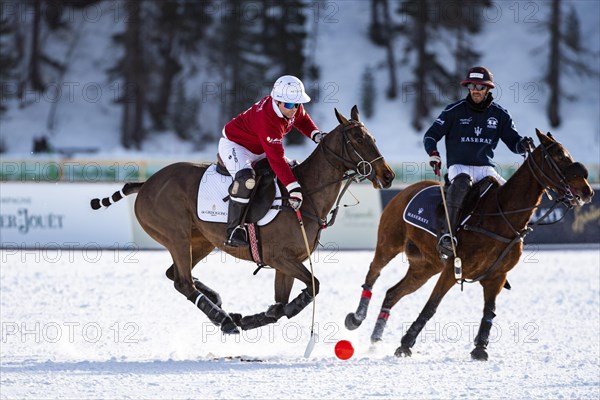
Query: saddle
[(476, 193), (262, 195), (426, 211)]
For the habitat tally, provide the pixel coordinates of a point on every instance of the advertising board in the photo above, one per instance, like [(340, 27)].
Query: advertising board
[(43, 215), (58, 215)]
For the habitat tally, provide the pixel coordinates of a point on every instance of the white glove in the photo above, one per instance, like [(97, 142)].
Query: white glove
[(318, 136), (296, 198)]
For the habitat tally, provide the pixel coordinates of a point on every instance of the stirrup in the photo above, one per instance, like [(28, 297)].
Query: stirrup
[(238, 237), (444, 245)]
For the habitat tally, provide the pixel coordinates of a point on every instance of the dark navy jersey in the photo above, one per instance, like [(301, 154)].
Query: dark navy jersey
[(472, 136)]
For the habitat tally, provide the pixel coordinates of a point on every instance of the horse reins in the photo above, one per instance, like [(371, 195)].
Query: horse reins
[(349, 164), (349, 178)]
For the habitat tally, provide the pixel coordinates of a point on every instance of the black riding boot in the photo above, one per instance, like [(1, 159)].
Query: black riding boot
[(454, 199), (239, 195), (236, 233)]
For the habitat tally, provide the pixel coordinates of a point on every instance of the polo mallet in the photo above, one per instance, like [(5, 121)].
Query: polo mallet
[(313, 335), (457, 260)]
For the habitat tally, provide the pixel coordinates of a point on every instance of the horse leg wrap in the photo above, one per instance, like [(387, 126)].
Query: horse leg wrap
[(354, 320), (483, 335), (216, 315), (276, 310), (298, 304), (409, 339), (482, 339), (256, 320), (384, 315), (208, 292), (363, 305)]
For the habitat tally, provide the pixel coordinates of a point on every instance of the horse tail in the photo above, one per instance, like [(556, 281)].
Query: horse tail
[(129, 188)]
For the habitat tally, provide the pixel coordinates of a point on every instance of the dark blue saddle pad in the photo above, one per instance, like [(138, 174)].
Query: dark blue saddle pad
[(424, 209), (421, 211)]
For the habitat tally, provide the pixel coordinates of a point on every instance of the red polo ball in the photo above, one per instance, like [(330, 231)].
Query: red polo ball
[(344, 349)]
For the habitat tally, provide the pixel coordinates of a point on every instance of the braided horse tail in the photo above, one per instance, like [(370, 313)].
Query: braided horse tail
[(129, 188)]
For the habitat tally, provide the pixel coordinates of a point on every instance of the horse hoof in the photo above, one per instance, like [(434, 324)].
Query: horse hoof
[(375, 339), (403, 352), (479, 354), (228, 327), (352, 322)]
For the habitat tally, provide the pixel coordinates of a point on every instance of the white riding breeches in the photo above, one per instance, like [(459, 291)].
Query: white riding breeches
[(236, 157), (476, 173)]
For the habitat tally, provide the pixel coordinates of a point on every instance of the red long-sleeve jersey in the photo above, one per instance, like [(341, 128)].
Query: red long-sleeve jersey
[(260, 130)]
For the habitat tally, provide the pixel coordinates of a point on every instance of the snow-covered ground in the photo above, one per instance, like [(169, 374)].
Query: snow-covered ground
[(110, 325)]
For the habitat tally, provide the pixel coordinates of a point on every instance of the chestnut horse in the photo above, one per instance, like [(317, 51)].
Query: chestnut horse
[(166, 209), (488, 251)]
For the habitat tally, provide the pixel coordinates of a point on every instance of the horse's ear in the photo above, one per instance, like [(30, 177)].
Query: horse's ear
[(546, 140), (354, 113), (342, 120)]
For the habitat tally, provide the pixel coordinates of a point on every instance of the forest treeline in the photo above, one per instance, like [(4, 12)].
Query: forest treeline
[(164, 44)]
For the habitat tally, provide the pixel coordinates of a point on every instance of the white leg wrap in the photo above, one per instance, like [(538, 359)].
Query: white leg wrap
[(198, 299)]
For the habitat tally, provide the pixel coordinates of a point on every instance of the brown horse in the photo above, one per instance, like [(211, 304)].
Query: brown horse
[(489, 249), (166, 208)]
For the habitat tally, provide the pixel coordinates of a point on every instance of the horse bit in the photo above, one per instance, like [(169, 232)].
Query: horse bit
[(574, 170), (363, 167)]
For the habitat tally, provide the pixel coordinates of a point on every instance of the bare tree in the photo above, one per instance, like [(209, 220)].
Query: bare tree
[(382, 32), (553, 76), (134, 71), (567, 55), (30, 29), (176, 33), (430, 22)]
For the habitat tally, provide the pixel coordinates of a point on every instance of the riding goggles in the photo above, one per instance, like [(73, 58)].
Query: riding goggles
[(476, 86), (289, 106)]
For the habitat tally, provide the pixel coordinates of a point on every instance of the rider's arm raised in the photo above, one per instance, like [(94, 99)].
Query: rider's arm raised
[(304, 123), (508, 131)]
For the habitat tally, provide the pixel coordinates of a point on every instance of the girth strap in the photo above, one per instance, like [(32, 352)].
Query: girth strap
[(493, 235)]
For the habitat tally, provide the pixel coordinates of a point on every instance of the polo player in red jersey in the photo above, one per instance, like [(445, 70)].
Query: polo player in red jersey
[(258, 133)]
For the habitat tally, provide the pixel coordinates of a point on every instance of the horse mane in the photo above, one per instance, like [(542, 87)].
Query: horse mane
[(309, 160)]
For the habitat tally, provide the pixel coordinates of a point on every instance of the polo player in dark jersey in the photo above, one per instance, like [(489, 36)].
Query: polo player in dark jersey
[(472, 128)]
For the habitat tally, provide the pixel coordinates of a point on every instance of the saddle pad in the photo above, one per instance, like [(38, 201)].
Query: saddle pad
[(214, 188), (421, 210)]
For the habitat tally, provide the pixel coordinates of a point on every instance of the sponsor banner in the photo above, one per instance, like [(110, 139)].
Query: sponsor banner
[(356, 225), (43, 215)]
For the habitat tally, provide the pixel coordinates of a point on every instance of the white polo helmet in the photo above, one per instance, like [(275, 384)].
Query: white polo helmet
[(289, 89)]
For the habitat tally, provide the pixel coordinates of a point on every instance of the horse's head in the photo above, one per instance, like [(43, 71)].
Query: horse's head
[(557, 171), (354, 147)]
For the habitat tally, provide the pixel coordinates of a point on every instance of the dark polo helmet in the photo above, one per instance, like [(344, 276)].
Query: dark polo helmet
[(480, 75)]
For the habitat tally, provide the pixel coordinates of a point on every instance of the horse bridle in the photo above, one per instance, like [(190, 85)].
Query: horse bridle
[(552, 186), (362, 168), (349, 165), (573, 170)]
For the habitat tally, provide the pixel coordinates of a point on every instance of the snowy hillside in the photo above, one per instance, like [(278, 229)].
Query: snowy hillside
[(88, 118)]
